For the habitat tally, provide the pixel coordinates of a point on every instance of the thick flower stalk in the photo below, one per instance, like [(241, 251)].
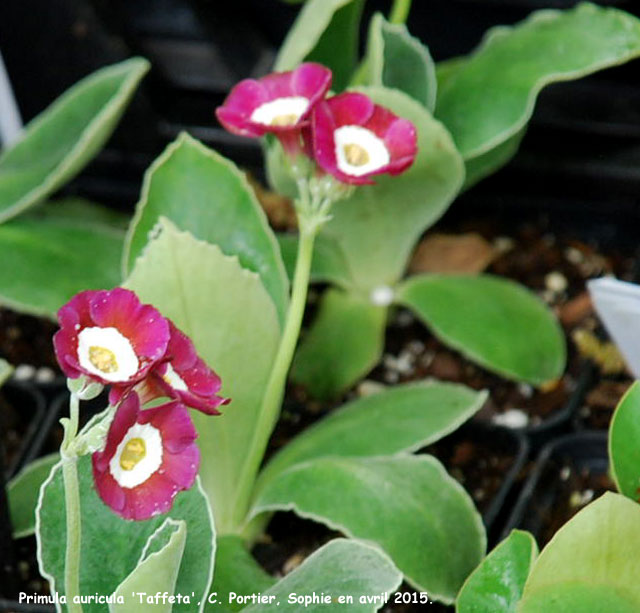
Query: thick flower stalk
[(142, 457), (348, 139)]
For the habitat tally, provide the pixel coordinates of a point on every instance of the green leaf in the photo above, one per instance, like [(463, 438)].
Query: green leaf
[(157, 571), (397, 60), (84, 211), (339, 568), (494, 322), (496, 585), (58, 143), (236, 571), (624, 451), (112, 546), (50, 255), (400, 418), (377, 227), (343, 344), (5, 371), (327, 32), (205, 194), (408, 505), (591, 564), (23, 491), (328, 266), (486, 164), (227, 312), (491, 96)]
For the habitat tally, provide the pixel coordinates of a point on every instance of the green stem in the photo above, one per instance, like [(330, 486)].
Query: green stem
[(274, 392), (400, 11), (72, 507)]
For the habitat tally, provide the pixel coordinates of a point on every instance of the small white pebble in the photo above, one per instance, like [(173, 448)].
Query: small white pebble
[(391, 377), (503, 244), (556, 282), (369, 388), (565, 473), (573, 255), (24, 372), (416, 347), (45, 375), (404, 362), (579, 499), (513, 418), (525, 389)]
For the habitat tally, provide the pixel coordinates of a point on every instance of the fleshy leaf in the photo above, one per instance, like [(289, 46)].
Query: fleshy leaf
[(327, 32), (397, 60), (400, 418), (496, 585), (236, 571), (408, 505), (486, 164), (328, 266), (112, 546), (23, 492), (379, 225), (58, 143), (343, 344), (494, 322), (591, 564), (51, 254), (490, 97), (205, 194), (339, 568), (227, 312), (156, 573), (624, 451)]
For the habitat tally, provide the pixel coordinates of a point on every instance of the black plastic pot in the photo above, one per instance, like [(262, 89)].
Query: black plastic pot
[(579, 454), (29, 414), (510, 443)]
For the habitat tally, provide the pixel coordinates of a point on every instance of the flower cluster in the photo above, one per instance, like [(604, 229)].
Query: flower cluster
[(149, 453), (347, 135)]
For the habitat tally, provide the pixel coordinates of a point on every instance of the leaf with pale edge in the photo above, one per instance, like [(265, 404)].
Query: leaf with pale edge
[(624, 450), (591, 564), (112, 546), (408, 505), (204, 193), (493, 321), (227, 312), (405, 417), (496, 585), (60, 141), (339, 568), (489, 98)]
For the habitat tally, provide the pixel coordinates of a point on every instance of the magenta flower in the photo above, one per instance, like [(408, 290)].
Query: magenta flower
[(279, 103), (181, 375), (354, 139), (149, 456), (109, 336)]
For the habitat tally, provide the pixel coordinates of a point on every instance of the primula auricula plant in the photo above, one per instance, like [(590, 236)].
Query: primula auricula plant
[(199, 249)]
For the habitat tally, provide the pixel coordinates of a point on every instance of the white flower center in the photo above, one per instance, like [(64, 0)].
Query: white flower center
[(359, 151), (107, 353), (281, 111), (172, 378), (138, 456), (382, 295)]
